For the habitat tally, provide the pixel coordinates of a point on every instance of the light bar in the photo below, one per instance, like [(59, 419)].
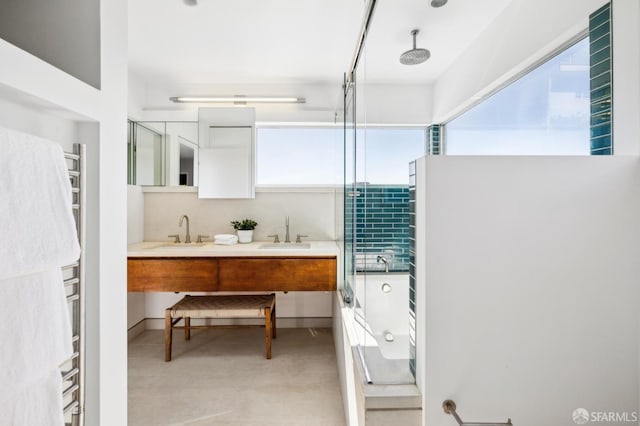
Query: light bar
[(239, 99)]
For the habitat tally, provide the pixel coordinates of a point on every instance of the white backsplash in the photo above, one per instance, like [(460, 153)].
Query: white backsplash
[(311, 213)]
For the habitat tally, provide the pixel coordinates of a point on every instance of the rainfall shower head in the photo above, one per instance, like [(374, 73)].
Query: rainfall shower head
[(414, 56), (438, 3)]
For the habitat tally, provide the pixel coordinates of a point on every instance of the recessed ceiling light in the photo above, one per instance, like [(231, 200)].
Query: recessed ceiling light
[(438, 3), (190, 2)]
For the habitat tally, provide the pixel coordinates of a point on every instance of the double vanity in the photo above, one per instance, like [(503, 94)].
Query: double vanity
[(257, 266)]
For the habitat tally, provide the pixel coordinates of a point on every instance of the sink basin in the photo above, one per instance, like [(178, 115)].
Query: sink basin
[(285, 246), (178, 246)]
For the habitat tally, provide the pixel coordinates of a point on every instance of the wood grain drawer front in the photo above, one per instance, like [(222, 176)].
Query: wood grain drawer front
[(172, 274), (275, 274)]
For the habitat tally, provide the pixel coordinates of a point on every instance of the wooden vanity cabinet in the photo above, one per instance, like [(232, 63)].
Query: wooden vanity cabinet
[(232, 274)]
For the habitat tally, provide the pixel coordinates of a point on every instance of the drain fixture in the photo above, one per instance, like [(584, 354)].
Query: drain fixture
[(388, 336), (386, 288)]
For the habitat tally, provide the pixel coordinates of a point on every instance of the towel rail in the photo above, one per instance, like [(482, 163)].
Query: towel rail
[(449, 407), (75, 280), (70, 406), (70, 374), (73, 265)]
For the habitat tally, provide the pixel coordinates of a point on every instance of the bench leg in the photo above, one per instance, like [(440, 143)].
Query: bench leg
[(267, 330), (168, 332), (187, 330), (273, 322)]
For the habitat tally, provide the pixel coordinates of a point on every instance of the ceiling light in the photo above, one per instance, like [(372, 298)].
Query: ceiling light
[(190, 2), (438, 3), (240, 99)]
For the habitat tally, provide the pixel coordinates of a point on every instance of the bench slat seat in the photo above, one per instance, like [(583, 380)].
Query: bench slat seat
[(233, 306)]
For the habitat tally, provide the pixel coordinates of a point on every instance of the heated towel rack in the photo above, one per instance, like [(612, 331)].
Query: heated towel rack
[(449, 407), (73, 370)]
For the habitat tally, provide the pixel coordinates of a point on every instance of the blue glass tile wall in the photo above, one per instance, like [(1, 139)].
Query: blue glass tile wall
[(434, 134), (601, 77), (381, 227)]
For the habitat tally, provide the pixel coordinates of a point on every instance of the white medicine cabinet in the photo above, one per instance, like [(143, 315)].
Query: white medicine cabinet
[(226, 138)]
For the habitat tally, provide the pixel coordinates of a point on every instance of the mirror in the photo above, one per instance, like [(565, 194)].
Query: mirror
[(163, 153), (227, 153)]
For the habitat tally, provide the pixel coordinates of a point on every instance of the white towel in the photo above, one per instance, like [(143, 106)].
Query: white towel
[(39, 404), (225, 237), (34, 327), (36, 221), (39, 236), (226, 241)]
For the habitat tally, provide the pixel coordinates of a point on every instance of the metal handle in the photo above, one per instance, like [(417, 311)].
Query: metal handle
[(449, 407), (200, 237), (276, 238), (298, 238), (176, 236)]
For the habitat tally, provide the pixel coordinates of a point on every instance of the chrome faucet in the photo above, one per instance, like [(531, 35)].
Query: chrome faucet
[(383, 260), (187, 238), (287, 239)]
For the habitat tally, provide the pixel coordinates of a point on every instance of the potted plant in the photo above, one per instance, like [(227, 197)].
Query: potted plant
[(244, 228)]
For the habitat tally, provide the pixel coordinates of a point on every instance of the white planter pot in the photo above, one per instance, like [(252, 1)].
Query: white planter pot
[(245, 236)]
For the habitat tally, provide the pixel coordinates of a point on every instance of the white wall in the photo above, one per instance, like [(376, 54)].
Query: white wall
[(18, 113), (387, 104), (524, 33), (99, 117), (321, 101), (394, 103), (626, 83), (531, 291), (136, 93)]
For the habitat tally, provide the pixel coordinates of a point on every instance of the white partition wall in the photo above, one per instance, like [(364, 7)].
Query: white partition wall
[(528, 285)]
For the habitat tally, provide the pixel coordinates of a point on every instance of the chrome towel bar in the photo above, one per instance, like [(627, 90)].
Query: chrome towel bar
[(450, 408)]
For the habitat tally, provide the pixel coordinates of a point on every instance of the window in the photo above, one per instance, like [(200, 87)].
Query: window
[(386, 153), (314, 155), (546, 112), (299, 155)]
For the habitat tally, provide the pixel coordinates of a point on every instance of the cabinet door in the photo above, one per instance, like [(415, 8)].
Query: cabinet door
[(172, 274), (277, 274), (226, 163)]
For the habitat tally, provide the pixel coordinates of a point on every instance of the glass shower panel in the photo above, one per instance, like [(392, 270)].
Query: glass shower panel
[(349, 191)]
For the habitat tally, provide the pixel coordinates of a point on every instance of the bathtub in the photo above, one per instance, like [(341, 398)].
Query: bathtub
[(381, 313)]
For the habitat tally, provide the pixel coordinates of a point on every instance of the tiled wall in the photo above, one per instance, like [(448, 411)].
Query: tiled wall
[(382, 227), (434, 137), (600, 80)]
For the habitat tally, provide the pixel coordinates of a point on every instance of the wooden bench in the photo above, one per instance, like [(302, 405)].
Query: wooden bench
[(235, 306)]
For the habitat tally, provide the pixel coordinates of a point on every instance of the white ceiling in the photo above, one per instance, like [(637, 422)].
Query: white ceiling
[(295, 41)]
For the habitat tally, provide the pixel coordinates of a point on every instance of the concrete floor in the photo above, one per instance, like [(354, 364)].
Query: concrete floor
[(221, 377)]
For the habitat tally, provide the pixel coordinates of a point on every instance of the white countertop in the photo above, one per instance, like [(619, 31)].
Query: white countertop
[(209, 249)]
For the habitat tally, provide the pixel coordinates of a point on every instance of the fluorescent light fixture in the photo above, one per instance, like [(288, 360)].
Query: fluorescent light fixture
[(239, 99)]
